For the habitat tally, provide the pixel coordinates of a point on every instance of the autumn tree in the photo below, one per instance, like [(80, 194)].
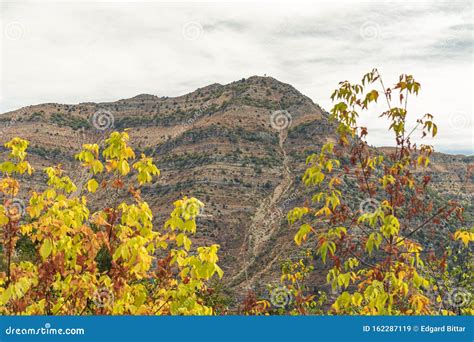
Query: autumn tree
[(379, 263), (107, 261)]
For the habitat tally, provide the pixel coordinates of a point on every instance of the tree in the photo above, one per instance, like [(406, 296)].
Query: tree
[(108, 261), (379, 262)]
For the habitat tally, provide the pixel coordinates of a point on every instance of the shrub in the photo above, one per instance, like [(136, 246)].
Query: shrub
[(110, 261)]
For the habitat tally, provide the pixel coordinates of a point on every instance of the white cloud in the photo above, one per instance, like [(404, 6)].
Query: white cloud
[(79, 51)]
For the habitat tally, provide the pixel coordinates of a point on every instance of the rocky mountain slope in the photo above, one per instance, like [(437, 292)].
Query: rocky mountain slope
[(240, 148)]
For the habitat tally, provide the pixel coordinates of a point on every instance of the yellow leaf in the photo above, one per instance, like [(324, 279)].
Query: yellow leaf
[(46, 248), (464, 236), (302, 233), (356, 299), (92, 185)]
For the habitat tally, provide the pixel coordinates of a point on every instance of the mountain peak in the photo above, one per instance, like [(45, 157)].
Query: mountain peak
[(141, 97)]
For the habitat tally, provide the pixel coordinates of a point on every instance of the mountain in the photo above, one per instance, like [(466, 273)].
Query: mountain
[(240, 148)]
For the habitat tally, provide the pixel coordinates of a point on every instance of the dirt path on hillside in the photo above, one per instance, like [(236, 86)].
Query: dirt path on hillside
[(266, 219), (268, 213)]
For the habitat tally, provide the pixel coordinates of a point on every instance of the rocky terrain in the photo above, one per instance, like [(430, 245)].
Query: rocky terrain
[(232, 146)]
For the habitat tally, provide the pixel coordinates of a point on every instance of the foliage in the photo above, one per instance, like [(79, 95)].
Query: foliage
[(378, 267), (108, 261)]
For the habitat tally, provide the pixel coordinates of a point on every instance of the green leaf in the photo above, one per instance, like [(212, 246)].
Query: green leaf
[(324, 251), (46, 248)]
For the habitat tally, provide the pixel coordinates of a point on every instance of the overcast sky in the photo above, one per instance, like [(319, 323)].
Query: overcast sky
[(78, 51)]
